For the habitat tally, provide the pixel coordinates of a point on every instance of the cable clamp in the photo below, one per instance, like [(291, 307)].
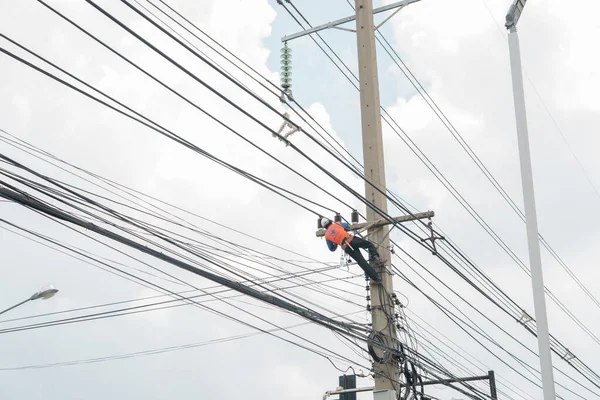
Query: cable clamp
[(433, 237), (283, 137), (569, 356), (525, 318)]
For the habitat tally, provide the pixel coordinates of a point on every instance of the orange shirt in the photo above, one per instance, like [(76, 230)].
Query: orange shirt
[(336, 234)]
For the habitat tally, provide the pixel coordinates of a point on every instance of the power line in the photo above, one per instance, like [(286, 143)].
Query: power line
[(491, 232), (151, 351)]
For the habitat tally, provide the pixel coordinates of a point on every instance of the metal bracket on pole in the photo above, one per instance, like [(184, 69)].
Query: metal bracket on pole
[(433, 237), (343, 391), (334, 24), (293, 129), (344, 29), (389, 17), (491, 377)]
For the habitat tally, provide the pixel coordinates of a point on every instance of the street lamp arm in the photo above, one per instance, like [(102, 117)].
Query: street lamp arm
[(44, 294), (15, 306)]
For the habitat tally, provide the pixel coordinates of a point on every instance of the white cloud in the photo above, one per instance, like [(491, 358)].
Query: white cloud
[(456, 51)]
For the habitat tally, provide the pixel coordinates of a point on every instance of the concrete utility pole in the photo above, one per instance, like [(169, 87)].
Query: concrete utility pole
[(382, 307), (386, 368), (535, 259)]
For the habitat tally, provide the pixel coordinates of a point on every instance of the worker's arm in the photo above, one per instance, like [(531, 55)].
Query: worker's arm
[(345, 225)]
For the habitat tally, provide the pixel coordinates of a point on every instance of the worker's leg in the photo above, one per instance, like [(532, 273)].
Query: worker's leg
[(360, 243), (356, 255)]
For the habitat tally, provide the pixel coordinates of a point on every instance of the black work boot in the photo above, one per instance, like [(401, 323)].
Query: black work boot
[(375, 260)]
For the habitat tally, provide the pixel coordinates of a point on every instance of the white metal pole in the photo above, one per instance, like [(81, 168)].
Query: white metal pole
[(535, 259)]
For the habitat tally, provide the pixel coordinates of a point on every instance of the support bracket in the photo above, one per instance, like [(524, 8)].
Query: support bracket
[(433, 237), (284, 136), (381, 222), (399, 5)]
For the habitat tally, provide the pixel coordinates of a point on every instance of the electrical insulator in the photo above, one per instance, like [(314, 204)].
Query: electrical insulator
[(286, 68), (368, 307), (319, 225), (368, 298), (354, 216), (337, 218), (367, 288)]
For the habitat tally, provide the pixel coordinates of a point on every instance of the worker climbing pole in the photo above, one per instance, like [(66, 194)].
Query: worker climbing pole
[(337, 235)]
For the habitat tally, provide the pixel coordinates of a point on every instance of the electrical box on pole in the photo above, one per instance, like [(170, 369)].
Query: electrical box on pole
[(347, 382)]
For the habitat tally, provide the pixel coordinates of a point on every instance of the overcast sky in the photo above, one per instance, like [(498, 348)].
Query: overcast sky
[(457, 49)]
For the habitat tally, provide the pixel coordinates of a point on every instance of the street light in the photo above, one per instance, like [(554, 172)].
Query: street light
[(44, 294), (535, 259)]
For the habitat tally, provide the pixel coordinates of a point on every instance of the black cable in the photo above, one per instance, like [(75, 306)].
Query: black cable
[(57, 214), (454, 318), (443, 339), (130, 221), (196, 215), (163, 131), (491, 232), (279, 95), (8, 192), (146, 352), (180, 44), (494, 235), (463, 143), (248, 266), (229, 101), (33, 204)]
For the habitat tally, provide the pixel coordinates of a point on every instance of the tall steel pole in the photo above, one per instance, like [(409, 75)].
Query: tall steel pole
[(387, 371), (535, 259)]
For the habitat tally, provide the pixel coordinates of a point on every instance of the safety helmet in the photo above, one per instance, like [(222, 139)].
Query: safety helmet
[(325, 222)]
